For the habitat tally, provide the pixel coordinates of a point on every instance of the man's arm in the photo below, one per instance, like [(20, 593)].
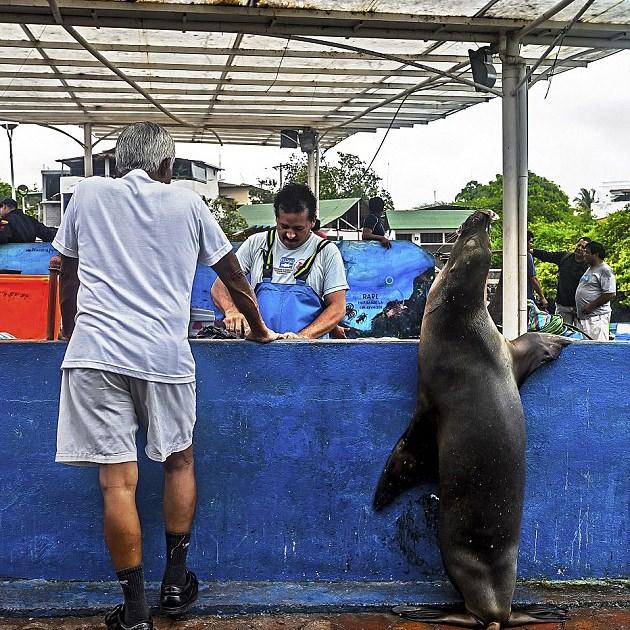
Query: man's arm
[(334, 310), (538, 290), (233, 320), (68, 288), (369, 224), (368, 235), (43, 232), (600, 301), (550, 257), (233, 283)]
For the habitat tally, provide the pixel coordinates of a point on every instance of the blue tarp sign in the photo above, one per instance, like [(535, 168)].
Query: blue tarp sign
[(388, 288)]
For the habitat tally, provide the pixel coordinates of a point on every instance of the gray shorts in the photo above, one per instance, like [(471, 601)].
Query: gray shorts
[(100, 413)]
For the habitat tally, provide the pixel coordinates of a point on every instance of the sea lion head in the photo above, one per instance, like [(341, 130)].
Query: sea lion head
[(463, 278), (470, 257)]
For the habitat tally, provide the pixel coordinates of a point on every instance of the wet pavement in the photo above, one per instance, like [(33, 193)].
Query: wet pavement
[(580, 619)]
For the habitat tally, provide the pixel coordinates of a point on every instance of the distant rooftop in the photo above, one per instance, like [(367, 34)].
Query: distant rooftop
[(429, 218), (329, 210)]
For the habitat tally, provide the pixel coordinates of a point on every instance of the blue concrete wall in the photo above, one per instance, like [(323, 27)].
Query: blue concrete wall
[(290, 441)]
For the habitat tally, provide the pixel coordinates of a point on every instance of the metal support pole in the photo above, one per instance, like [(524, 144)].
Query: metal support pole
[(10, 127), (87, 156), (313, 172), (510, 190), (521, 98)]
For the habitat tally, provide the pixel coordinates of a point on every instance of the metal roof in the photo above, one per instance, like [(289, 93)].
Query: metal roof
[(427, 218), (239, 71), (262, 214)]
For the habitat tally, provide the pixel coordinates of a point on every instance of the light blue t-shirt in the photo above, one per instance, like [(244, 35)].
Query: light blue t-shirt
[(593, 284), (138, 242), (326, 276)]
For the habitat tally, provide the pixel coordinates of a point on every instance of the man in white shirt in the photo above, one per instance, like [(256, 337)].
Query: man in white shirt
[(130, 247), (298, 277), (597, 287)]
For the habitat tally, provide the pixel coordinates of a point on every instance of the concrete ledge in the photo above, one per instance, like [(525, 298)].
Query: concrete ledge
[(41, 598)]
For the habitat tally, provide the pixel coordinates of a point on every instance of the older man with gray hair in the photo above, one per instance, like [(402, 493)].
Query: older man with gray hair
[(129, 250)]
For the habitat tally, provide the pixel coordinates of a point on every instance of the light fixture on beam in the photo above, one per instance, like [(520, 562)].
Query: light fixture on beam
[(308, 140), (289, 139), (483, 71)]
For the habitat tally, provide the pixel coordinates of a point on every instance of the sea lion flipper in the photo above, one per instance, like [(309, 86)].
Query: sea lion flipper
[(435, 615), (414, 460), (533, 350), (526, 615)]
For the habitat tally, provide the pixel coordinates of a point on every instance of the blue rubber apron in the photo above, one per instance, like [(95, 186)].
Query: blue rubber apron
[(288, 307)]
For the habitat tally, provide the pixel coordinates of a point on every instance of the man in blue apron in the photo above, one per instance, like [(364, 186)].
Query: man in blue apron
[(298, 277)]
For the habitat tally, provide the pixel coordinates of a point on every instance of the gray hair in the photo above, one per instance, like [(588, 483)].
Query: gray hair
[(143, 145)]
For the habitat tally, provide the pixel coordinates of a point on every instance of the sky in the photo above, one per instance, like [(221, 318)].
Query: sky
[(579, 137)]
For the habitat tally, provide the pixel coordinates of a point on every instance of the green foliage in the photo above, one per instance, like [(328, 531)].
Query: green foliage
[(558, 227), (349, 178), (5, 191), (226, 213), (544, 198), (265, 192), (614, 232)]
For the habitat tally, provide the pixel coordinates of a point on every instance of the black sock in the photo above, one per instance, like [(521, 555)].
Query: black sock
[(132, 584), (176, 552)]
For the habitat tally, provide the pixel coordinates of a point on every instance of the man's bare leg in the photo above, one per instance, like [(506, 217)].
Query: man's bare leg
[(180, 492), (179, 586), (123, 536)]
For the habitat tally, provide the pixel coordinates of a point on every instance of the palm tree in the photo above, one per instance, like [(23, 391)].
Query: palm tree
[(585, 199)]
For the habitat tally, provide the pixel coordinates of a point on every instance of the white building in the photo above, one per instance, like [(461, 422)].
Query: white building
[(611, 197), (58, 184)]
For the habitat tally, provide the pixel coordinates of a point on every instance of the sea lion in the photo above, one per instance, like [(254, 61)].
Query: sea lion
[(468, 432)]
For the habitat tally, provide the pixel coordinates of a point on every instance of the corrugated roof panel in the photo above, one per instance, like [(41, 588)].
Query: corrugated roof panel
[(427, 218), (181, 60), (263, 213)]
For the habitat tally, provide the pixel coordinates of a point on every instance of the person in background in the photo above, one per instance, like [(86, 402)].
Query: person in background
[(571, 267), (126, 306), (373, 227), (298, 277), (596, 289), (533, 284), (17, 227)]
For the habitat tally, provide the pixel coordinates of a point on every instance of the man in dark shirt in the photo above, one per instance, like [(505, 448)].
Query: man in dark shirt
[(571, 267), (17, 227), (533, 283), (373, 228)]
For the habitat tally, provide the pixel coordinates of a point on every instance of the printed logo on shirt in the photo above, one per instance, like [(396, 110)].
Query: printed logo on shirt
[(286, 265)]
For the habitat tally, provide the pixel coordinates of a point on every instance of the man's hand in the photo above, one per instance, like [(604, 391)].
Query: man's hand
[(292, 335), (588, 309), (236, 323), (268, 337), (385, 242)]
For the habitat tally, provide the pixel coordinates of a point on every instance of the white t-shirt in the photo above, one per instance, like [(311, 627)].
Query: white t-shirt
[(326, 276), (138, 242)]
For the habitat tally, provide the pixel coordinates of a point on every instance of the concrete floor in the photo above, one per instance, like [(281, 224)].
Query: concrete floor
[(580, 619)]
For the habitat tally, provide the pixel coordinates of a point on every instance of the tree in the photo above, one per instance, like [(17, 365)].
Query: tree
[(544, 198), (585, 199), (349, 178), (556, 226), (227, 215)]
